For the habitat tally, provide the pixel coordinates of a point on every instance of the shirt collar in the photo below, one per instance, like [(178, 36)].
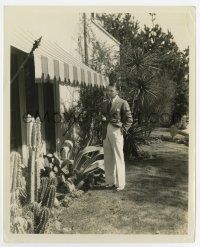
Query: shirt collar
[(114, 99)]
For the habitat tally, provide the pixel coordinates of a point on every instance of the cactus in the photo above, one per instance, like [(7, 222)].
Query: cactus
[(40, 217), (29, 130), (35, 208), (35, 143), (18, 186), (33, 176), (38, 132), (52, 195), (43, 187), (53, 181), (34, 136), (14, 171), (44, 215), (49, 197)]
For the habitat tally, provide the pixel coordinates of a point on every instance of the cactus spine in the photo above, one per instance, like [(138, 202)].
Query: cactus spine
[(49, 197), (36, 209), (18, 184), (53, 181), (29, 130), (44, 215), (43, 187), (52, 195), (35, 143)]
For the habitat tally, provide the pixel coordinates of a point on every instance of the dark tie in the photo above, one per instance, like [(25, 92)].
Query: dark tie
[(109, 106)]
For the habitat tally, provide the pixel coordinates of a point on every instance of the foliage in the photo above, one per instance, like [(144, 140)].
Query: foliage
[(153, 74), (83, 118), (76, 173), (102, 58), (90, 128), (123, 27), (149, 50)]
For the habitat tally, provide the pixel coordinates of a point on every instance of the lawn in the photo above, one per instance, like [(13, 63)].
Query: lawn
[(155, 200)]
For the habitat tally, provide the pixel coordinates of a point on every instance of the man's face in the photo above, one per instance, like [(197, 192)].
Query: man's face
[(111, 92)]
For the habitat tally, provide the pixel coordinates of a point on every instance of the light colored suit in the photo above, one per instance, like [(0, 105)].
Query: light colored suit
[(115, 122)]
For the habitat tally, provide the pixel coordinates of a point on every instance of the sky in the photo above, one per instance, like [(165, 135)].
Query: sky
[(58, 21), (176, 20)]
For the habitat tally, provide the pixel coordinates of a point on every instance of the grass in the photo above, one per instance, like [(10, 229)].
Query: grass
[(155, 200)]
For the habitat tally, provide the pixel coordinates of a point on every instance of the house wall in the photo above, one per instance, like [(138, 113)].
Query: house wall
[(105, 39), (62, 27)]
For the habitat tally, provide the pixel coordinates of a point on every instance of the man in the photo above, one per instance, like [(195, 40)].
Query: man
[(116, 120)]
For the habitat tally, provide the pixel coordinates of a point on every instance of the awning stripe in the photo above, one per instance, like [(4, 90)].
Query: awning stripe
[(53, 62), (66, 71), (56, 70), (79, 74), (51, 69), (75, 75), (44, 61), (89, 77), (71, 77), (95, 79), (83, 75), (61, 68), (38, 67)]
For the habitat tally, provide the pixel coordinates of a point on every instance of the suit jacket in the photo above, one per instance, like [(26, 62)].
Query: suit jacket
[(119, 115)]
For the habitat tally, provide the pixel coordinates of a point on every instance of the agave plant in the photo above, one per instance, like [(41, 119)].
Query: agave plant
[(88, 163)]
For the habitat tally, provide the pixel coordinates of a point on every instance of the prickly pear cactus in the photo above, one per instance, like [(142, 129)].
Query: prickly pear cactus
[(44, 216)]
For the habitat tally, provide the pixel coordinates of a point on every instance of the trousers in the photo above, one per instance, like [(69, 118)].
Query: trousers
[(114, 157)]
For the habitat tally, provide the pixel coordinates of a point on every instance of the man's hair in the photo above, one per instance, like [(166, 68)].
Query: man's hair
[(115, 85)]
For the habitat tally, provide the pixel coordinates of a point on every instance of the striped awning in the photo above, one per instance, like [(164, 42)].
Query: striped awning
[(53, 63)]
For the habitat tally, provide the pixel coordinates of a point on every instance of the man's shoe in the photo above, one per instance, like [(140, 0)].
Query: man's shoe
[(110, 186), (120, 188)]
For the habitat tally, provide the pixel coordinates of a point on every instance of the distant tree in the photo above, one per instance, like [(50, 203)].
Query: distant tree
[(150, 64)]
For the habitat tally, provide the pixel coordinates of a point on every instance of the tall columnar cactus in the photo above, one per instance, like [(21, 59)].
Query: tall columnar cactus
[(36, 209), (43, 218), (43, 187), (18, 186), (34, 142), (18, 189), (49, 197), (38, 153), (53, 181), (40, 217), (29, 130)]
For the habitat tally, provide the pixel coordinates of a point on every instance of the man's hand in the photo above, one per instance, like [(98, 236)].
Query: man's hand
[(103, 119)]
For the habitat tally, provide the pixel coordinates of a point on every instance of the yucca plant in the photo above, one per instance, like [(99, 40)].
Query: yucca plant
[(139, 72), (136, 61)]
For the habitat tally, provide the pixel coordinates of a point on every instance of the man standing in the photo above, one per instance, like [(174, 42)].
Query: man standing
[(116, 120)]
